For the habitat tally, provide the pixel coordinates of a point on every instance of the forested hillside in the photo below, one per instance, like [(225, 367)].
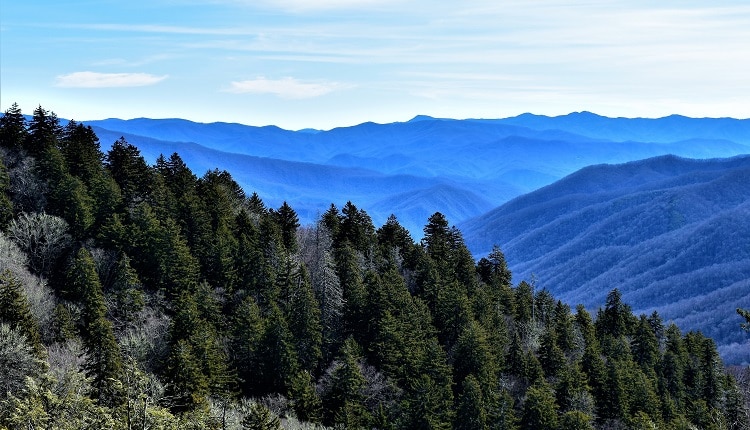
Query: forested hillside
[(670, 233), (143, 296)]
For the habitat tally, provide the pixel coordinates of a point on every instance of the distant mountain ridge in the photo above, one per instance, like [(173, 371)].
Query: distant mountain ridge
[(486, 161), (672, 234)]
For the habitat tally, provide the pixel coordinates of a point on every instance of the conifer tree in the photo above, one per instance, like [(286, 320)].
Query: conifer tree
[(355, 227), (44, 131), (15, 311), (539, 408), (13, 132), (343, 396), (103, 357), (551, 357), (129, 169), (472, 356), (83, 156), (278, 354), (288, 223), (471, 412), (576, 420), (645, 346), (6, 206), (260, 418)]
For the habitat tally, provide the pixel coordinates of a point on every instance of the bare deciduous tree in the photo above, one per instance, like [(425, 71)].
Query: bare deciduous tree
[(43, 237)]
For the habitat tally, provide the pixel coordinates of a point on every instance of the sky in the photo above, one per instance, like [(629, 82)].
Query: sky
[(329, 63)]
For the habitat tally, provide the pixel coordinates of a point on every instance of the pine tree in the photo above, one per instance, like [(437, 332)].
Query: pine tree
[(6, 206), (539, 408), (260, 418), (305, 401), (103, 357), (576, 420), (551, 357), (278, 354), (129, 169), (15, 311), (303, 314), (493, 269), (13, 131), (472, 356), (617, 318), (247, 329), (83, 156), (288, 222), (645, 346), (355, 227), (44, 132), (471, 412), (343, 396)]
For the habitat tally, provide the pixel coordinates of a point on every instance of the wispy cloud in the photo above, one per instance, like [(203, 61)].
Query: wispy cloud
[(318, 5), (287, 88), (107, 80)]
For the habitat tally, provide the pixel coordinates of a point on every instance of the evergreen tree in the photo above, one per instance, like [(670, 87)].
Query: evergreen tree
[(746, 315), (551, 357), (247, 328), (539, 408), (472, 356), (129, 169), (617, 318), (355, 227), (103, 357), (15, 311), (645, 346), (6, 206), (288, 223), (44, 131), (260, 418), (305, 401), (576, 420), (278, 354), (343, 396), (83, 156), (493, 269), (303, 314), (471, 413), (13, 132)]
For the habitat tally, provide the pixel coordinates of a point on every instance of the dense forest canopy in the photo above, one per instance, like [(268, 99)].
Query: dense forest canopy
[(144, 296)]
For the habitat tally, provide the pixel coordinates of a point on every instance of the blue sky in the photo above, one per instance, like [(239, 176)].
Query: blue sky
[(328, 63)]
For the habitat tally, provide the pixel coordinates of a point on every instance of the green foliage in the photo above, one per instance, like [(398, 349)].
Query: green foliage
[(337, 323), (539, 408), (103, 357), (15, 311), (471, 413), (260, 418)]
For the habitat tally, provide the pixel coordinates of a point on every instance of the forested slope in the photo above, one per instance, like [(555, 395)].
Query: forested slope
[(670, 233), (144, 296)]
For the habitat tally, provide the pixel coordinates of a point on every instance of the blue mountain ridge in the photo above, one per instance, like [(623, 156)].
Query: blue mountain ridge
[(671, 233), (487, 160)]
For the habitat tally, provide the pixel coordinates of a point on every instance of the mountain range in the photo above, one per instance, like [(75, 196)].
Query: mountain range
[(412, 169), (658, 208), (672, 234)]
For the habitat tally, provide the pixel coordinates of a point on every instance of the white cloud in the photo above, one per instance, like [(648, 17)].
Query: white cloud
[(315, 5), (287, 88), (107, 80)]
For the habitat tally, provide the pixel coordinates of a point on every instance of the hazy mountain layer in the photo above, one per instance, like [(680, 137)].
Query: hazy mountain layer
[(416, 168), (672, 234)]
